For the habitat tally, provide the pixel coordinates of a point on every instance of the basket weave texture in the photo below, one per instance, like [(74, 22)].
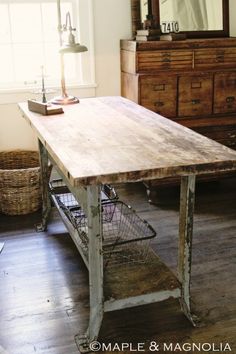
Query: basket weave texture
[(20, 191)]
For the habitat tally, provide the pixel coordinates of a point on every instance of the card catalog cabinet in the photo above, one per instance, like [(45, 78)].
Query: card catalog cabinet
[(192, 82)]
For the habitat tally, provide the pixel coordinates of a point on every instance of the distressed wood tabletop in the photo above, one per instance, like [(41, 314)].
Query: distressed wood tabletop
[(112, 140)]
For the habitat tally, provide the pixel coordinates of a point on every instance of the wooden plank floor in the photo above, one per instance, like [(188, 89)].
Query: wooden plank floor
[(44, 284)]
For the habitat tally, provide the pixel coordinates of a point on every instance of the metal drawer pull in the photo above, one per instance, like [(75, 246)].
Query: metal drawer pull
[(159, 104), (197, 101), (160, 87), (166, 60), (166, 54), (231, 82), (220, 58), (196, 85), (230, 99)]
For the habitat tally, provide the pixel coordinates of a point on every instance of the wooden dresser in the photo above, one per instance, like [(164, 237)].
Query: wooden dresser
[(192, 82)]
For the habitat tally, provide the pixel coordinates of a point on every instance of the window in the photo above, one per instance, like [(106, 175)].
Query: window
[(29, 40)]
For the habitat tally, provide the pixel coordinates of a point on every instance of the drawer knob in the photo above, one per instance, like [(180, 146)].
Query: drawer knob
[(160, 87), (159, 104), (230, 99), (220, 58), (166, 60), (166, 54), (196, 85), (196, 101)]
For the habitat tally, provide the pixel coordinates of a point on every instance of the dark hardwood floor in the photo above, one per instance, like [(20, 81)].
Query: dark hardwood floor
[(44, 283)]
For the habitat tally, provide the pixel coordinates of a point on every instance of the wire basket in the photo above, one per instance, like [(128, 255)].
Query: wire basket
[(126, 236), (66, 199), (69, 204)]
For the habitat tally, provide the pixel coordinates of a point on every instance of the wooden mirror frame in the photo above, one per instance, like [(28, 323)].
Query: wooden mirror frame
[(136, 20)]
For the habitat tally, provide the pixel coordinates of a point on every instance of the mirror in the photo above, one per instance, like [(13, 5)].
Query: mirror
[(196, 18)]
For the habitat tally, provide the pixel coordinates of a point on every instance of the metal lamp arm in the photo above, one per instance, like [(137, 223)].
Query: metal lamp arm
[(70, 47), (68, 22)]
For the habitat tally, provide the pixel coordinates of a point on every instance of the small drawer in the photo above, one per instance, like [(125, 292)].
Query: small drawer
[(230, 139), (215, 58), (195, 96), (159, 94), (225, 92), (164, 60), (225, 135)]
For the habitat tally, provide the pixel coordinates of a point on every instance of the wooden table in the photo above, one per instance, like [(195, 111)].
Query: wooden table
[(113, 140)]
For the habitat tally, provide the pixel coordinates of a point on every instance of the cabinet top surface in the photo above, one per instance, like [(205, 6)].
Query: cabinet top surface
[(112, 140), (132, 45)]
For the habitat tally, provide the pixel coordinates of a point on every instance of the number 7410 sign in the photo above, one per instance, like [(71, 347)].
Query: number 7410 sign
[(169, 26)]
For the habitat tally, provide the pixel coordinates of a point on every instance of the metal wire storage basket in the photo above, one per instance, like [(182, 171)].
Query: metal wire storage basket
[(66, 199), (126, 236)]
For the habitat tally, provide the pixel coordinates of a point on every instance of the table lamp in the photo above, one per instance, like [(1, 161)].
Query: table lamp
[(70, 47)]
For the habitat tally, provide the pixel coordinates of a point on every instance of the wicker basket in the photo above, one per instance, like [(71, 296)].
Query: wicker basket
[(19, 182)]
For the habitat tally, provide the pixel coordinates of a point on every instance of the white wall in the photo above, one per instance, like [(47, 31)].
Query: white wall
[(15, 133), (112, 21)]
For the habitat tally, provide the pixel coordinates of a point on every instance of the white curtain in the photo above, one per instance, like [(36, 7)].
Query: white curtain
[(191, 14), (215, 14)]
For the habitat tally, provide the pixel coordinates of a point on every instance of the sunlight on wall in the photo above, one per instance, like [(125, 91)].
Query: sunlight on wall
[(15, 133)]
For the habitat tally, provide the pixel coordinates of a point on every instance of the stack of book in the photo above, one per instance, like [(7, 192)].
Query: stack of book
[(151, 34), (172, 36)]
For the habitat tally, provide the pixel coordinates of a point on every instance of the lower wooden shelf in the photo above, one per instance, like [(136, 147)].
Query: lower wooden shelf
[(135, 284)]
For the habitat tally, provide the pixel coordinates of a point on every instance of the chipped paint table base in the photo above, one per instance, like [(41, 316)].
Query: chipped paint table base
[(113, 140)]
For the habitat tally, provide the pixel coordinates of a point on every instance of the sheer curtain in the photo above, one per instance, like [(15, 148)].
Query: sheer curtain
[(215, 14), (192, 14)]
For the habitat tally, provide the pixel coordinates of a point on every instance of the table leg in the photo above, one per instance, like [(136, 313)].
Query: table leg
[(45, 175), (187, 199), (95, 269)]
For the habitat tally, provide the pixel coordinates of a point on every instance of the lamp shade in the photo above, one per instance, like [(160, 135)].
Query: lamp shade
[(73, 48)]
